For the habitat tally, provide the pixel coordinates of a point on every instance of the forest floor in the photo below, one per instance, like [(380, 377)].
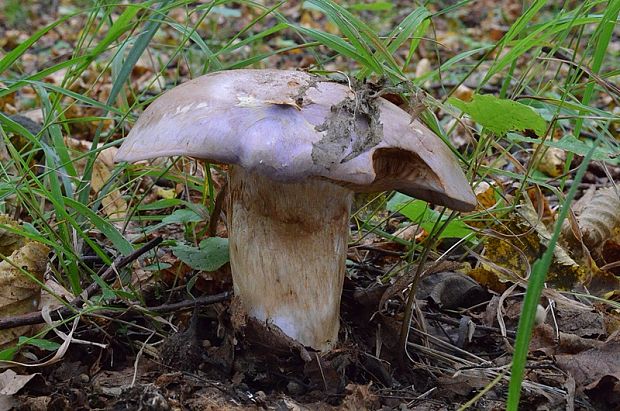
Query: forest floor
[(193, 348)]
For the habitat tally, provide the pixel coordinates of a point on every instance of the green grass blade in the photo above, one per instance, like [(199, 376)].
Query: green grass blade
[(337, 44), (106, 228), (212, 59), (539, 36), (132, 58), (18, 51), (403, 32), (406, 28), (13, 86), (358, 34), (603, 37), (120, 26), (253, 38), (77, 96), (532, 296), (415, 41)]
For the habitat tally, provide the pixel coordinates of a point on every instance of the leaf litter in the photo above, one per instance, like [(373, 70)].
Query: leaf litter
[(466, 310)]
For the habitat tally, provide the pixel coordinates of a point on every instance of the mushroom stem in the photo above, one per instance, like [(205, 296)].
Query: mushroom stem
[(288, 248)]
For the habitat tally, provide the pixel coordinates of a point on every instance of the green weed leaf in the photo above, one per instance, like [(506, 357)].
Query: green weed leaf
[(211, 254), (8, 354), (182, 216), (43, 344), (501, 116), (419, 212), (103, 225), (571, 144)]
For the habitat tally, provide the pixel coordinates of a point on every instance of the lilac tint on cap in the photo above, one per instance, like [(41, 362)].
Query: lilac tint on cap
[(290, 126)]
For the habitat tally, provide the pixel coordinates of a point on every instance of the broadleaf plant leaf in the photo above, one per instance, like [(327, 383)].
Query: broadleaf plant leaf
[(500, 115), (43, 344), (572, 145), (420, 213), (211, 254)]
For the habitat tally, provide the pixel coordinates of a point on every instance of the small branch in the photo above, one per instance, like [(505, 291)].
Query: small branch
[(456, 323), (560, 56), (189, 304), (118, 264), (217, 210), (166, 308), (107, 274)]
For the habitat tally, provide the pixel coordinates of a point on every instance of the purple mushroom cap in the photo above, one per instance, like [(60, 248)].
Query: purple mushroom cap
[(291, 126)]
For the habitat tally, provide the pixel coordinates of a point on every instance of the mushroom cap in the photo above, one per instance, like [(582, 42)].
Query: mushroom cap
[(291, 126)]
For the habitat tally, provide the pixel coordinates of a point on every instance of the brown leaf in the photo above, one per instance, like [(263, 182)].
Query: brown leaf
[(19, 293), (9, 241), (113, 204), (579, 319), (610, 253), (596, 368), (560, 254), (359, 397), (485, 194), (11, 382), (544, 339), (464, 383), (552, 161), (450, 290), (488, 279), (599, 218), (403, 282), (464, 93)]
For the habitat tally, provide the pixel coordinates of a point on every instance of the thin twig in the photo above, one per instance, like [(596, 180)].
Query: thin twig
[(138, 310), (452, 321), (111, 271), (189, 304), (217, 210)]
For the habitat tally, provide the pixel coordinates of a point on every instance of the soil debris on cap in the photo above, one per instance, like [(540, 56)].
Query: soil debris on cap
[(351, 117), (300, 97)]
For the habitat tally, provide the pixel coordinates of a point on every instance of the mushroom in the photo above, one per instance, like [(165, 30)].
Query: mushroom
[(298, 147)]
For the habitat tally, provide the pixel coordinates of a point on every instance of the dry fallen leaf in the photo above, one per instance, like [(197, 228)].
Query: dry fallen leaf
[(567, 270), (552, 161), (599, 218), (595, 237), (551, 342), (20, 293), (450, 290), (610, 254), (574, 317), (485, 194), (488, 279), (463, 92), (596, 369), (113, 204), (359, 397), (11, 382), (463, 383), (9, 241)]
